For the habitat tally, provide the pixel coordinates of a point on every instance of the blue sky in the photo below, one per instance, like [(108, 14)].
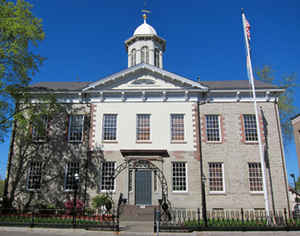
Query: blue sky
[(85, 40)]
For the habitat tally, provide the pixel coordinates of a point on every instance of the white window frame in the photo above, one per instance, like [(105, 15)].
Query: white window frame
[(219, 129), (223, 178), (150, 133), (32, 174), (69, 128), (184, 136), (103, 127), (244, 125), (262, 184), (67, 167), (101, 176), (186, 177)]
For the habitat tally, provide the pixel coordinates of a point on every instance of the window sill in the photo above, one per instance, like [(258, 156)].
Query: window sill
[(217, 193), (178, 142), (108, 141), (250, 142), (144, 142), (257, 193), (180, 192), (214, 142)]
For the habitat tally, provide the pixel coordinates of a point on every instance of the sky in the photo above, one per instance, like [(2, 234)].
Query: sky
[(85, 41)]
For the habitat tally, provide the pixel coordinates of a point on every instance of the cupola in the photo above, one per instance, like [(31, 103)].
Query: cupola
[(145, 46)]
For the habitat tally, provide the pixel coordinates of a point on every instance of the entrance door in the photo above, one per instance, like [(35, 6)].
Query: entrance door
[(143, 188)]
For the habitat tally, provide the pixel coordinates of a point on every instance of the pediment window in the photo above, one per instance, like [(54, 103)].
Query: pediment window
[(143, 81)]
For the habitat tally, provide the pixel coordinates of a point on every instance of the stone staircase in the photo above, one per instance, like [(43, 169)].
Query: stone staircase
[(137, 213)]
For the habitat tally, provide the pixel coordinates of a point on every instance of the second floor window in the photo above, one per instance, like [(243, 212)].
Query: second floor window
[(143, 127), (213, 128), (75, 129), (39, 129), (70, 170), (177, 127), (250, 127), (34, 176), (216, 181), (109, 127)]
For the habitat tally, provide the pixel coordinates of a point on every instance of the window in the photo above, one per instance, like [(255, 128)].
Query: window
[(39, 129), (71, 169), (34, 176), (75, 128), (143, 127), (255, 177), (213, 128), (107, 176), (216, 177), (156, 57), (177, 127), (145, 55), (250, 128), (179, 176), (110, 127), (133, 57)]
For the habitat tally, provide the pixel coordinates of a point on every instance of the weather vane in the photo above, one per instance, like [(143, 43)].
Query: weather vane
[(145, 11)]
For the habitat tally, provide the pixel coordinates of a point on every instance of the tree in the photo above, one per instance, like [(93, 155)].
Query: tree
[(20, 32), (1, 187), (286, 99)]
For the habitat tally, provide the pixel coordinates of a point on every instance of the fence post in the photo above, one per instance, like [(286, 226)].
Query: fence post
[(198, 213), (118, 221), (154, 220), (242, 214)]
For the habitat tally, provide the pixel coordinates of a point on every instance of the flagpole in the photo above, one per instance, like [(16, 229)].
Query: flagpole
[(251, 81)]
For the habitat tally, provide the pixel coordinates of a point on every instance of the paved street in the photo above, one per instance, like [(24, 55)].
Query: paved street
[(19, 231)]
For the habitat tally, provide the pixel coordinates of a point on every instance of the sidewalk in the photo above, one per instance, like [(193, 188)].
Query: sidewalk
[(129, 229)]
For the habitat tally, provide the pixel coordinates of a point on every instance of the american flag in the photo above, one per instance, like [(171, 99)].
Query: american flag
[(247, 28)]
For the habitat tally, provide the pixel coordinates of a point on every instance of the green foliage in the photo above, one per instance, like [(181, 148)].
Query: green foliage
[(285, 103), (1, 187), (100, 200), (20, 32)]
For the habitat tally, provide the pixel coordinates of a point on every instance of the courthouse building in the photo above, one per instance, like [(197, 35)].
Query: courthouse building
[(161, 134)]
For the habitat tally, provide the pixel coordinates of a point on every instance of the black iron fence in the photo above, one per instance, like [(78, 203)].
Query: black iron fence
[(224, 220), (60, 218)]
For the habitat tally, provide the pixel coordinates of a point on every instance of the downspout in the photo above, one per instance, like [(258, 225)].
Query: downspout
[(10, 155), (202, 176), (282, 153)]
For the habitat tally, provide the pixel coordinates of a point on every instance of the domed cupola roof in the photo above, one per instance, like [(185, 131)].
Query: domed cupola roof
[(145, 29)]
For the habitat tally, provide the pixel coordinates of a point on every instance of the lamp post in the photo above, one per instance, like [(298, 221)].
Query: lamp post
[(204, 215), (76, 181)]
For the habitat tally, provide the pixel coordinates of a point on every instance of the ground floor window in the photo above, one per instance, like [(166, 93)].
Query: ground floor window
[(107, 176), (71, 169), (179, 176), (34, 175), (216, 177), (255, 177)]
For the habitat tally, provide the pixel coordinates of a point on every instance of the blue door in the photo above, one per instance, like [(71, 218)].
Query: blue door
[(143, 187)]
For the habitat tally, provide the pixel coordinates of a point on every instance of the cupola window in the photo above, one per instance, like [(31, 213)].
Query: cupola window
[(145, 55), (133, 57), (156, 57)]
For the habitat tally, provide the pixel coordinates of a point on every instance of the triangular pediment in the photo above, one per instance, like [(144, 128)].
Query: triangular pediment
[(144, 77)]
